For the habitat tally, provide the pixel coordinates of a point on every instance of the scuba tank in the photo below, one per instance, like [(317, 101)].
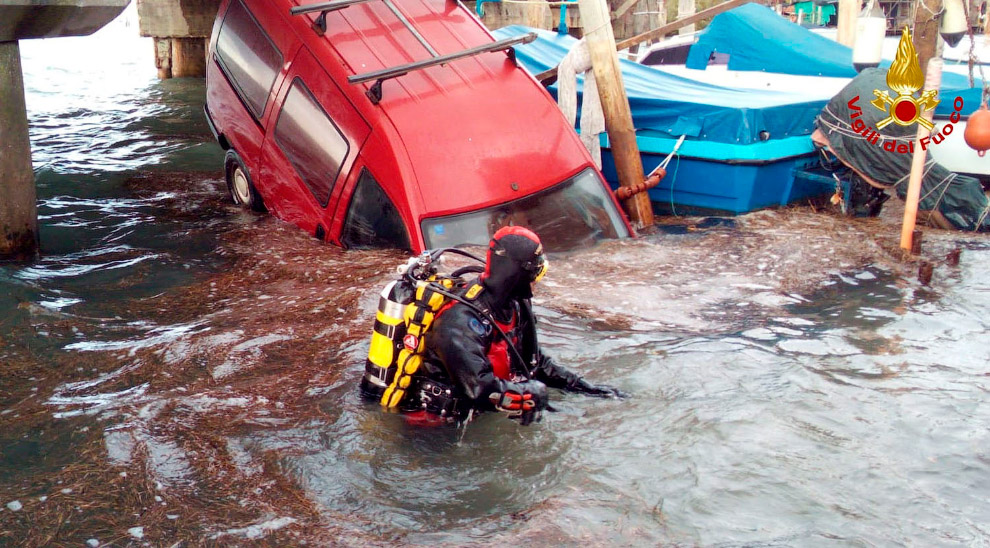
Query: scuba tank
[(406, 310)]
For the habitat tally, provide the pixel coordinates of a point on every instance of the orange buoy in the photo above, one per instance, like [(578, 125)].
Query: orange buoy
[(977, 133)]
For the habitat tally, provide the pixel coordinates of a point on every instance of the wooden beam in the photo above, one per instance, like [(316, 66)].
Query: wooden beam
[(623, 9), (618, 116), (670, 27)]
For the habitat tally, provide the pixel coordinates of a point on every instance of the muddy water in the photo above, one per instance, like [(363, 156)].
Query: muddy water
[(175, 370)]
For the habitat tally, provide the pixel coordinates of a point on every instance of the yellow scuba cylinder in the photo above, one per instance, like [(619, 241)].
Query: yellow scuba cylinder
[(406, 310), (386, 338), (417, 317)]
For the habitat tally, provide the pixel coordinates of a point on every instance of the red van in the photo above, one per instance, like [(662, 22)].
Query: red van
[(395, 123)]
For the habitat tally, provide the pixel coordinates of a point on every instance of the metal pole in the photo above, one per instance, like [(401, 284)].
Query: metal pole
[(411, 28)]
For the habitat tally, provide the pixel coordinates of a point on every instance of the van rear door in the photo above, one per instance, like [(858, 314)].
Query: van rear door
[(310, 145)]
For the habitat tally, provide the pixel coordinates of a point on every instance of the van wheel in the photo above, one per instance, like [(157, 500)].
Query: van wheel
[(239, 183)]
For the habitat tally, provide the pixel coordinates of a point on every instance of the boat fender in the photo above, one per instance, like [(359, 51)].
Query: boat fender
[(653, 180)]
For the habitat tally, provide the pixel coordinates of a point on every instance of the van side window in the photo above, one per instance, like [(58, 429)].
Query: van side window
[(310, 141), (248, 57), (372, 220)]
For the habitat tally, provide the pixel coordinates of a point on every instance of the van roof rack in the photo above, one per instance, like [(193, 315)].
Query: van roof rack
[(320, 25), (375, 91)]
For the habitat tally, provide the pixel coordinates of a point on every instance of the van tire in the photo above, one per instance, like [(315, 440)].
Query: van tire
[(239, 184)]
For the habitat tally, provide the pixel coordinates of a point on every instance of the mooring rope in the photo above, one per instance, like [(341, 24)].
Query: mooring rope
[(983, 217), (673, 179), (845, 128)]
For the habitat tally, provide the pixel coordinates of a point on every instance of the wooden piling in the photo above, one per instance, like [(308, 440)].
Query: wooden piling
[(925, 271), (916, 237), (925, 42), (18, 201), (618, 116), (846, 22)]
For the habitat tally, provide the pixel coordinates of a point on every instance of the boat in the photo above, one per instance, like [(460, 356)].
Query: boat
[(752, 47), (742, 151)]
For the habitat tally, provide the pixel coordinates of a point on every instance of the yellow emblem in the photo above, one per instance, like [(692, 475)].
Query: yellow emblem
[(905, 78)]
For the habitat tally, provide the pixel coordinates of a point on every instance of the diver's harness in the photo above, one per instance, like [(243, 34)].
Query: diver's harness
[(406, 311)]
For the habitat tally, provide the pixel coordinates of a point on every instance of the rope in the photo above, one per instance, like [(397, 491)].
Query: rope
[(973, 59), (983, 217), (673, 179), (845, 128), (929, 10)]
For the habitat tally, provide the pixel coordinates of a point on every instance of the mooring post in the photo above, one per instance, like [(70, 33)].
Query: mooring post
[(18, 210), (925, 43), (595, 17), (846, 22)]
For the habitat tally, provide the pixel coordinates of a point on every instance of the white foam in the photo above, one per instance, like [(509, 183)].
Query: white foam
[(259, 530), (95, 403)]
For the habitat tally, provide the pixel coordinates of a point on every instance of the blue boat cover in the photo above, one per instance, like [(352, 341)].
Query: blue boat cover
[(675, 106), (756, 38)]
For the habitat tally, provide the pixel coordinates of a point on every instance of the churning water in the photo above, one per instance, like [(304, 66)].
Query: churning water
[(174, 369)]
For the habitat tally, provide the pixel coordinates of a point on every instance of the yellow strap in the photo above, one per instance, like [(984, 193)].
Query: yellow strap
[(474, 291)]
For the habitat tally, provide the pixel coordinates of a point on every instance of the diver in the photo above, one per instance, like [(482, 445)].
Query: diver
[(482, 352)]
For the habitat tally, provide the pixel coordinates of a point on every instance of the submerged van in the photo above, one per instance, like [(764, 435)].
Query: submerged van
[(395, 123)]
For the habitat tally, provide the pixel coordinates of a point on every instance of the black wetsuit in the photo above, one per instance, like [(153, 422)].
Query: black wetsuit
[(467, 364), (457, 356)]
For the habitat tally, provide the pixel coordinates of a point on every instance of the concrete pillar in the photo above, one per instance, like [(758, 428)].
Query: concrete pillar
[(180, 57), (181, 29), (18, 202), (189, 57), (163, 57)]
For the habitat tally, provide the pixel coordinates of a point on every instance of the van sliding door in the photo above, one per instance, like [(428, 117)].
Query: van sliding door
[(310, 146)]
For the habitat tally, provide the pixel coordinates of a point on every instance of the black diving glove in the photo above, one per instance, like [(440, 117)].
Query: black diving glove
[(560, 377), (596, 390), (525, 404)]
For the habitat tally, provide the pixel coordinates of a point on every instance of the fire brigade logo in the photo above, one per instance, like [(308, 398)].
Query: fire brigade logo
[(410, 341), (905, 78)]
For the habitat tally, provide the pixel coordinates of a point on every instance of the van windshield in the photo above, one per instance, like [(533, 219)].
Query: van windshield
[(572, 215)]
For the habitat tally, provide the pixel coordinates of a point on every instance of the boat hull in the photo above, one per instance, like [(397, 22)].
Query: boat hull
[(708, 180)]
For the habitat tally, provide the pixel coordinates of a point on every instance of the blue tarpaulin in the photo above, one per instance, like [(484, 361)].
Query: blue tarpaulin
[(756, 38), (675, 106)]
